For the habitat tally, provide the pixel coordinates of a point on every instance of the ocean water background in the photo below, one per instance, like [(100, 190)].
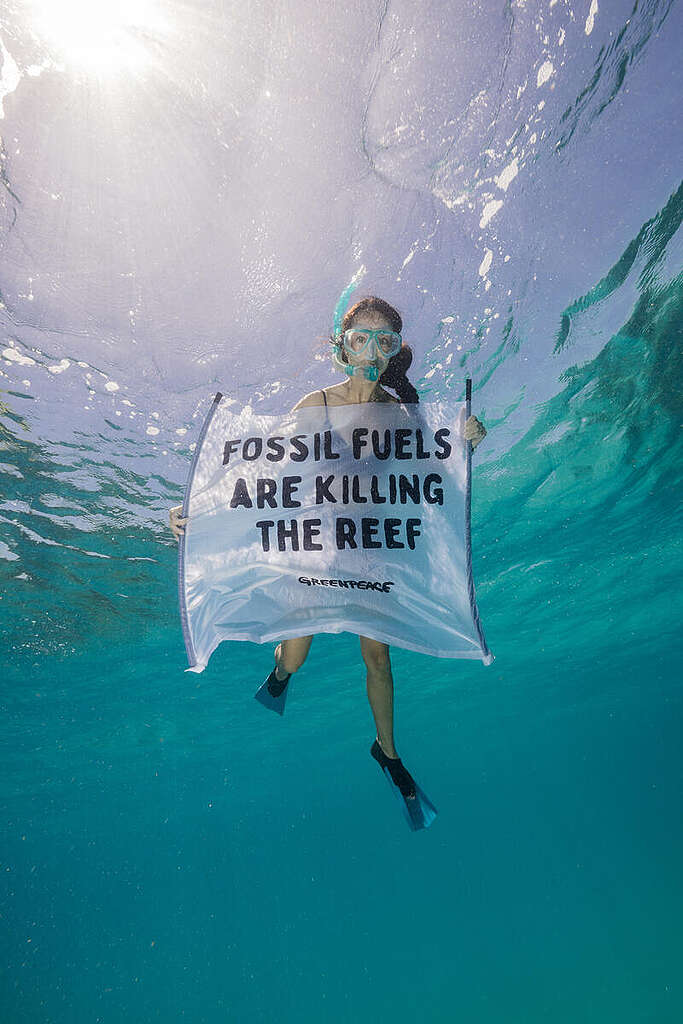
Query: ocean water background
[(184, 195)]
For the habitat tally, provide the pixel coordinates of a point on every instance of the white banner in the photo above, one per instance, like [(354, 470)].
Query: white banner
[(348, 517)]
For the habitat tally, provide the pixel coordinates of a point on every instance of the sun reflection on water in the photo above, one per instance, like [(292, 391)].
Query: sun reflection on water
[(97, 35)]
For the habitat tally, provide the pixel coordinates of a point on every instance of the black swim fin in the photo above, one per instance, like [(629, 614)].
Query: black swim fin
[(273, 693), (418, 810)]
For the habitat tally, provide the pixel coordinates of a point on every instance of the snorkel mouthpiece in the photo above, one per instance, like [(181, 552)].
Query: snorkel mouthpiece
[(371, 372)]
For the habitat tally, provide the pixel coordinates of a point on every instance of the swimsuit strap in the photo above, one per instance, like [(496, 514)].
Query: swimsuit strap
[(327, 412)]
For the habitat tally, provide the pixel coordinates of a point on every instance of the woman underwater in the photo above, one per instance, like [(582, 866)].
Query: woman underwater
[(370, 351)]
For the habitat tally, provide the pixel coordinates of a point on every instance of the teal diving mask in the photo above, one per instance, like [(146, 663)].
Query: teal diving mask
[(359, 341)]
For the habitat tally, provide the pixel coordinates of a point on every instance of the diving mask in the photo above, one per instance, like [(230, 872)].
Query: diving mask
[(357, 341)]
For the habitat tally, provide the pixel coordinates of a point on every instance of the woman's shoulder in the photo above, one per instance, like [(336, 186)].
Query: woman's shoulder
[(335, 396), (312, 398)]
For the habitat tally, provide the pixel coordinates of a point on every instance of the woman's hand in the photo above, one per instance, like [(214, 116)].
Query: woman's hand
[(177, 524), (475, 431)]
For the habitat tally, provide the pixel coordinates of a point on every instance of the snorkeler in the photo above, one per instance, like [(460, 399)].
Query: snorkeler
[(370, 352)]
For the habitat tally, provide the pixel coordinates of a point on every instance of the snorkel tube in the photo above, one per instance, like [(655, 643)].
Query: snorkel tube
[(369, 372)]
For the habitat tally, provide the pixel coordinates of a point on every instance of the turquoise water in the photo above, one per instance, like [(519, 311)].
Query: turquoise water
[(175, 852), (170, 850)]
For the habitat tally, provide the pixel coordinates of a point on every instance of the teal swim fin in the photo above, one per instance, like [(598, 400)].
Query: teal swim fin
[(418, 810), (273, 693)]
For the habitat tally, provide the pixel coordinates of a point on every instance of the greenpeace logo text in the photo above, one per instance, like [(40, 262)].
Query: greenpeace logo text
[(349, 584)]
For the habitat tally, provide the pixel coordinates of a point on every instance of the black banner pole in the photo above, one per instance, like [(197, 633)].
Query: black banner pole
[(468, 531)]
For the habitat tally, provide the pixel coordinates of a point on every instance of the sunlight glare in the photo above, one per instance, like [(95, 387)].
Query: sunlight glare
[(99, 35)]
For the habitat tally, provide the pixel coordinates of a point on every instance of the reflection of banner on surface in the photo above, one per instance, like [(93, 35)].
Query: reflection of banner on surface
[(346, 518)]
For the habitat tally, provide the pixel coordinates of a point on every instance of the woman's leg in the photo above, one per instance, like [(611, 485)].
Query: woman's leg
[(380, 686), (290, 655)]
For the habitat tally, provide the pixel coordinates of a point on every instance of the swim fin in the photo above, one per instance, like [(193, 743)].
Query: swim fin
[(418, 810), (273, 693)]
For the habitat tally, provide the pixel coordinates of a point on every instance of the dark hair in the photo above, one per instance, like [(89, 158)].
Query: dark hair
[(395, 374)]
